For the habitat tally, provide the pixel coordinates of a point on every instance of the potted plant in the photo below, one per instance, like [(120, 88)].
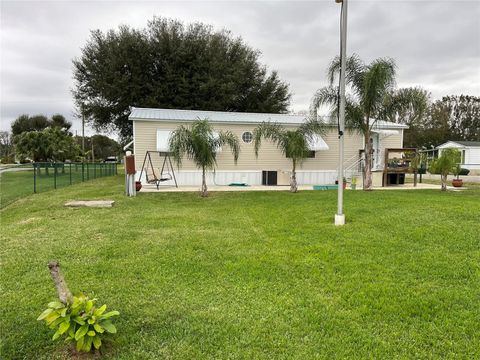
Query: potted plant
[(353, 184), (457, 182)]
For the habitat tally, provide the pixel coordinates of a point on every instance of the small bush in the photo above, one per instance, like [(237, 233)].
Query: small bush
[(80, 321), (464, 171)]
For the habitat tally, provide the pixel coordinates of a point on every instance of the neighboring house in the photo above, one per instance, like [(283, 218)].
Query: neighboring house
[(152, 128), (470, 151)]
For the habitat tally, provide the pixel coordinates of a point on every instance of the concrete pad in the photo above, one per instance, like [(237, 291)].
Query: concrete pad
[(152, 188), (90, 203)]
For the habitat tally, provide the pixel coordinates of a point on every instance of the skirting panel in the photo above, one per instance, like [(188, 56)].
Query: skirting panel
[(194, 177)]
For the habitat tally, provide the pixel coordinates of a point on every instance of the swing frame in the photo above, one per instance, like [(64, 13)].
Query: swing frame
[(167, 162)]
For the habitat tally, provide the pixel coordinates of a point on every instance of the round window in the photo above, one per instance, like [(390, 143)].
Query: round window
[(247, 137)]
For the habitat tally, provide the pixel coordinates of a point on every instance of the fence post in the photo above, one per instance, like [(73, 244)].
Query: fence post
[(70, 167), (83, 172), (34, 178), (54, 175)]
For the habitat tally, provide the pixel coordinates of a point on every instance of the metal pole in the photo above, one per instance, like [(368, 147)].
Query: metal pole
[(83, 135), (340, 216)]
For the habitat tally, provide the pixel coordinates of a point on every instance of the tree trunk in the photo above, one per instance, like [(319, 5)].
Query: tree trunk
[(444, 181), (64, 295), (367, 181), (415, 179), (204, 184), (293, 180)]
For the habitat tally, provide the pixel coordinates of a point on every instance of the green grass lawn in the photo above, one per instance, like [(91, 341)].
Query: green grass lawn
[(15, 185), (250, 275)]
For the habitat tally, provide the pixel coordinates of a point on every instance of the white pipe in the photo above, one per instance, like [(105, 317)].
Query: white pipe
[(128, 145)]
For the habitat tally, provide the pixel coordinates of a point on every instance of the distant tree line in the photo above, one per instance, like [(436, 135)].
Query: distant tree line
[(42, 139), (455, 117)]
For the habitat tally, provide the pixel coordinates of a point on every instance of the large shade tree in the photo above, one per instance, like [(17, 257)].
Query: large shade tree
[(171, 65), (293, 143), (200, 143), (371, 96)]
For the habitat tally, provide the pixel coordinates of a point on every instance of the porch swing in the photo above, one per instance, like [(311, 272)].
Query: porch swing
[(167, 172)]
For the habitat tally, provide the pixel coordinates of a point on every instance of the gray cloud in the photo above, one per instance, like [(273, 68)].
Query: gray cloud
[(436, 44)]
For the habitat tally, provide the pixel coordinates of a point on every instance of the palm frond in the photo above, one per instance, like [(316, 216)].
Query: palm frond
[(379, 80), (231, 140), (326, 96), (355, 68), (180, 144), (268, 131)]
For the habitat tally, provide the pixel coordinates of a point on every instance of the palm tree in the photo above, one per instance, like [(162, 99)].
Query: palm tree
[(370, 88), (294, 143), (200, 144)]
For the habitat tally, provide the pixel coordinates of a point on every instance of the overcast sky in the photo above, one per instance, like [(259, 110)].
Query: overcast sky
[(436, 44)]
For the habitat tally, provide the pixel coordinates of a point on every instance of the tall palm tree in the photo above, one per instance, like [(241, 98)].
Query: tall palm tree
[(200, 144), (370, 85), (294, 143)]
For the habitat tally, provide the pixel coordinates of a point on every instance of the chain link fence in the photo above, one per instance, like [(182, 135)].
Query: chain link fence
[(18, 181)]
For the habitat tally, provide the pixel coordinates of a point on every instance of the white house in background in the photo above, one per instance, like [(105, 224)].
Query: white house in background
[(152, 129), (470, 151)]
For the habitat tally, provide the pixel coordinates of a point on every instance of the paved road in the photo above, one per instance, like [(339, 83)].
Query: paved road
[(468, 178)]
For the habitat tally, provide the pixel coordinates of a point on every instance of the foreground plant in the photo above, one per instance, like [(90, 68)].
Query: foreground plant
[(81, 321), (76, 317)]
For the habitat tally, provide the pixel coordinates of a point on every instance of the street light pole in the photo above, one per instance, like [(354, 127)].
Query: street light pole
[(340, 216)]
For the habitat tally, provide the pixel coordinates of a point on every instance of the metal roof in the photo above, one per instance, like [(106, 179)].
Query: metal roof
[(462, 143), (154, 114)]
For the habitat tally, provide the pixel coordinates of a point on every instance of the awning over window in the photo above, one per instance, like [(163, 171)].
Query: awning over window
[(317, 143), (162, 140), (385, 132)]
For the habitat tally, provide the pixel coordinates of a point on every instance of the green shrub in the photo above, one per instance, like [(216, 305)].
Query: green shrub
[(80, 321)]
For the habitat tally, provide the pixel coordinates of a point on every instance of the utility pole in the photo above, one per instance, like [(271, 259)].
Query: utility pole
[(83, 134), (340, 216)]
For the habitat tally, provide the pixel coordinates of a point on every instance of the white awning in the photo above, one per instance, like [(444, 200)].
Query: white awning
[(317, 143), (385, 132), (162, 140)]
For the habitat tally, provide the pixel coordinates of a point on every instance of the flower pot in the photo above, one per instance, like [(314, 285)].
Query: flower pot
[(138, 185), (457, 182)]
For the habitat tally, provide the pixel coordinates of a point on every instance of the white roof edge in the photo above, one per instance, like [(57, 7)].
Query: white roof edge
[(181, 115)]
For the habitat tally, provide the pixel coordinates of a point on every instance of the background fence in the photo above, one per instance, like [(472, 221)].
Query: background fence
[(21, 180)]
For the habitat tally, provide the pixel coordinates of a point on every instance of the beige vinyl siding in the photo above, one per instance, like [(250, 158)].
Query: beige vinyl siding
[(270, 158), (393, 141)]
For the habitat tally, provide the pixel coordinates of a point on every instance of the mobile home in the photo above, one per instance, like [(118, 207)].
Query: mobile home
[(152, 127)]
